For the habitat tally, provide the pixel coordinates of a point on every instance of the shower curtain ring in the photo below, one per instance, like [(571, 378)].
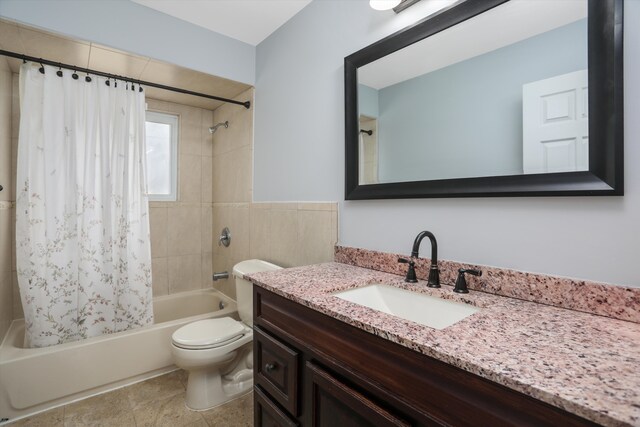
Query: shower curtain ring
[(87, 78), (59, 72), (41, 69), (74, 75)]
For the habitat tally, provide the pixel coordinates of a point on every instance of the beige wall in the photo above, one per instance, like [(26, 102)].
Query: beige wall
[(181, 230), (287, 234), (6, 199)]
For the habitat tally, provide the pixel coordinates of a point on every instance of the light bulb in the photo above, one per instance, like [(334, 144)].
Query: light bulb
[(383, 4)]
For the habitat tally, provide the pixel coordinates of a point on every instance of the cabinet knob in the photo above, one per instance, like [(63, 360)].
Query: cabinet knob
[(270, 367)]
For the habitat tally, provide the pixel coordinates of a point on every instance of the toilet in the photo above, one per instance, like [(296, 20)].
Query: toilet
[(217, 353)]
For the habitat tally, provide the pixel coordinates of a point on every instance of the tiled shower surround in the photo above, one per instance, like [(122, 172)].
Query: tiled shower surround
[(214, 191)]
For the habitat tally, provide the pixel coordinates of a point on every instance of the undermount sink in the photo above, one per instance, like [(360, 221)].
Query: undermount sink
[(430, 311)]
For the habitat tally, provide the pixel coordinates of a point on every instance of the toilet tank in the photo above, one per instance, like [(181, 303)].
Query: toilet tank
[(244, 291)]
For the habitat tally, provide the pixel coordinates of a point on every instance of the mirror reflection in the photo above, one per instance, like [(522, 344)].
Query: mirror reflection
[(503, 93)]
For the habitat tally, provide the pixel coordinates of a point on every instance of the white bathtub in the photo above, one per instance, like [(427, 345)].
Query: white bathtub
[(32, 380)]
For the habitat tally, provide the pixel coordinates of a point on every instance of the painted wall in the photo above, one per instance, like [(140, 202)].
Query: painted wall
[(125, 25), (465, 120), (368, 101), (299, 75)]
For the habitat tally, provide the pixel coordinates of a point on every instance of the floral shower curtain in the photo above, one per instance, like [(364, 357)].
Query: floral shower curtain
[(82, 232)]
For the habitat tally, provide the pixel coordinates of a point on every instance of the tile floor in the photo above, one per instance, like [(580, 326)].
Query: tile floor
[(156, 402)]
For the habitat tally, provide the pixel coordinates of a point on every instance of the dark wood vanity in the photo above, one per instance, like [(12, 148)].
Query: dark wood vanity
[(314, 370)]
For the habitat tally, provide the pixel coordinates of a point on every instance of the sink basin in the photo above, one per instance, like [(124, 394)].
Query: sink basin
[(430, 311)]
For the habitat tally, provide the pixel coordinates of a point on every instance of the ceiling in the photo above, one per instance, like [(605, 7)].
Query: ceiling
[(250, 21), (501, 26), (22, 39)]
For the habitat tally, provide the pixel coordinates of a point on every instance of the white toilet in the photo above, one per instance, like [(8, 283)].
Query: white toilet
[(217, 353)]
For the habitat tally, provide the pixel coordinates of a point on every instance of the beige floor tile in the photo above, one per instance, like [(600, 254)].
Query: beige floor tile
[(109, 409), (169, 411), (237, 413), (52, 418), (158, 401), (155, 389)]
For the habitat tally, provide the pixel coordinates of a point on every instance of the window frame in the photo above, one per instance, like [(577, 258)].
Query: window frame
[(173, 120)]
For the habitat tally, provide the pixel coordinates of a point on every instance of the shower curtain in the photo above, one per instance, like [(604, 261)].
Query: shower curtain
[(82, 224)]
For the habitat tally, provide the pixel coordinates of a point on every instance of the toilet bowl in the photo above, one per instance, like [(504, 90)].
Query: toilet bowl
[(217, 353)]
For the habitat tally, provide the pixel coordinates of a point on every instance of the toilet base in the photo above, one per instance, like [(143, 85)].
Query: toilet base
[(207, 389)]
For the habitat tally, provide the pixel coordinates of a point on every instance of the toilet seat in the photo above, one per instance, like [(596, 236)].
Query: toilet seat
[(208, 333)]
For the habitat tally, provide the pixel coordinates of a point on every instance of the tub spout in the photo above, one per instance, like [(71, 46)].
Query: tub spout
[(219, 276)]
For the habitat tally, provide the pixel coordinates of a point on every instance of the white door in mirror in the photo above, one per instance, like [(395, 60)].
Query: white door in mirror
[(555, 124), (424, 309)]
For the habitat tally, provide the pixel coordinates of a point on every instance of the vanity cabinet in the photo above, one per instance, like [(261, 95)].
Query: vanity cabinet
[(314, 370)]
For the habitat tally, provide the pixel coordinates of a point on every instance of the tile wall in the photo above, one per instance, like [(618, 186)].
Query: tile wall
[(287, 234), (6, 199), (181, 231)]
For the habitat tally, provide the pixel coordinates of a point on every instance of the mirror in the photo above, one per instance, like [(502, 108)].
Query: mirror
[(489, 98)]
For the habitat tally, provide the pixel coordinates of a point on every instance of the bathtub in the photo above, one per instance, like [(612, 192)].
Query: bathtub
[(33, 380)]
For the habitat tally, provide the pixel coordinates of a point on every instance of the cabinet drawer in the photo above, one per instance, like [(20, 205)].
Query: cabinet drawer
[(276, 369), (267, 413)]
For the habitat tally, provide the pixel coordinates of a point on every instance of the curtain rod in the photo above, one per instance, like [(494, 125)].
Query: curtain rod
[(246, 104)]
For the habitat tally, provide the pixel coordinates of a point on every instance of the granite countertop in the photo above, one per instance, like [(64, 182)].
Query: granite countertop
[(585, 364)]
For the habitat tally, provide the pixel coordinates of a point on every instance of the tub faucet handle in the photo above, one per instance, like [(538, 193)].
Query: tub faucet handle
[(225, 237)]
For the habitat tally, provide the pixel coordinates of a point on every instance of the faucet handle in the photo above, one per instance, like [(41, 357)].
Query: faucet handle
[(411, 272), (461, 282)]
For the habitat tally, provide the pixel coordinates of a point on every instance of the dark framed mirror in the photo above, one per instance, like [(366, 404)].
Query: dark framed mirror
[(489, 98)]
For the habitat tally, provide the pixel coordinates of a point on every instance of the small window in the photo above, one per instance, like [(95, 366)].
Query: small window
[(162, 156)]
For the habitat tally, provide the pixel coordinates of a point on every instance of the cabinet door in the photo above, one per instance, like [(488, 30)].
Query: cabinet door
[(334, 403), (268, 414)]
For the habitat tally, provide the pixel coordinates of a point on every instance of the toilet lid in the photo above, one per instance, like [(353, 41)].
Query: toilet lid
[(208, 333)]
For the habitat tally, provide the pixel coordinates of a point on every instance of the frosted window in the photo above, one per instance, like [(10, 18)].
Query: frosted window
[(162, 135)]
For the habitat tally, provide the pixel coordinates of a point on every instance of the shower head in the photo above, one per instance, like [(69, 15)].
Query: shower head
[(214, 128)]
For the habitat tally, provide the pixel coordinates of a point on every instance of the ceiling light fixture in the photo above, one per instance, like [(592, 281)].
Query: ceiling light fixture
[(404, 4), (383, 4)]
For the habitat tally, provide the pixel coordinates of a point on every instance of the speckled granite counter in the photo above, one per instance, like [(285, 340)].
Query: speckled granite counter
[(585, 364)]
